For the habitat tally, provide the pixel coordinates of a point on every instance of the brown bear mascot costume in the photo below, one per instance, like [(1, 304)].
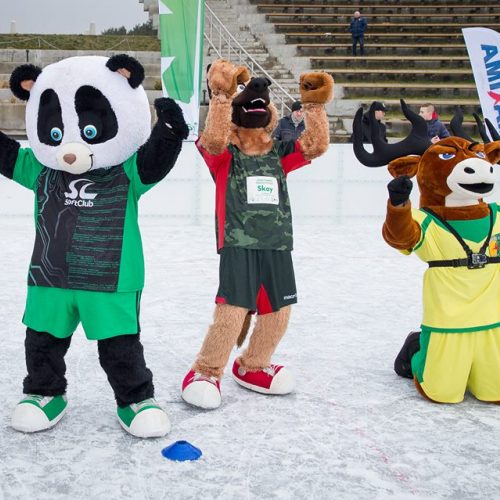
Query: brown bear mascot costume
[(254, 226)]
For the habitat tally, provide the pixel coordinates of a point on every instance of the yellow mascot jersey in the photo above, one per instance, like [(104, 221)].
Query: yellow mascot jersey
[(458, 299)]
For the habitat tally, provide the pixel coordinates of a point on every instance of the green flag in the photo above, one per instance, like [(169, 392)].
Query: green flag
[(181, 35)]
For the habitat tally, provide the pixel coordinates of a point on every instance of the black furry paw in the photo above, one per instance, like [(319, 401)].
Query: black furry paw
[(170, 113), (399, 190), (402, 363)]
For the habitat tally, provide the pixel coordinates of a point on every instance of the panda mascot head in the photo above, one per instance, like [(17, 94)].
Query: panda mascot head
[(84, 113)]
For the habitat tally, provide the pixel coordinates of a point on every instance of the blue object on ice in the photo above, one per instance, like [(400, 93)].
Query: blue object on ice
[(181, 451)]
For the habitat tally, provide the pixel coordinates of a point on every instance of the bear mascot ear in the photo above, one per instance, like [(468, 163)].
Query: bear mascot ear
[(23, 79), (128, 67)]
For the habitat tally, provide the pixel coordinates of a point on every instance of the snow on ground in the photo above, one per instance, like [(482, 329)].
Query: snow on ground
[(352, 430)]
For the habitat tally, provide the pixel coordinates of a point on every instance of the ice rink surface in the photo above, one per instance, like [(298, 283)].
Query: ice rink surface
[(352, 429)]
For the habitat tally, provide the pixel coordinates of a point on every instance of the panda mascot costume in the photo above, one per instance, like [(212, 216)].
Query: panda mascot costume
[(92, 155)]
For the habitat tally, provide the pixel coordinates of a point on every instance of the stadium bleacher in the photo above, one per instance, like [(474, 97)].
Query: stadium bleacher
[(413, 50)]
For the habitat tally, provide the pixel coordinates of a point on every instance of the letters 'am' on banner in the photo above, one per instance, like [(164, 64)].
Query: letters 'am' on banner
[(483, 45)]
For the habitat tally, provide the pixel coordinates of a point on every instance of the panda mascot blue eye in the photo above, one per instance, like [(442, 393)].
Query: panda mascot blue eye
[(56, 134), (446, 156), (90, 132)]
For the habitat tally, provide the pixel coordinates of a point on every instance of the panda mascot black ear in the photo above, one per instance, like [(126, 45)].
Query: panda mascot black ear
[(127, 66), (22, 79)]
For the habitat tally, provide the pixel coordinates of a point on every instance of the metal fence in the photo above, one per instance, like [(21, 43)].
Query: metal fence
[(226, 46)]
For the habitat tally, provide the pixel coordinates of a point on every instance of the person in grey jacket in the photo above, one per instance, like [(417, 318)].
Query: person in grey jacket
[(357, 28), (290, 127)]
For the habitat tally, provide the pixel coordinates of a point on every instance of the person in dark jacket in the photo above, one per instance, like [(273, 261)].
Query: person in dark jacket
[(357, 28), (380, 110), (436, 129), (290, 127)]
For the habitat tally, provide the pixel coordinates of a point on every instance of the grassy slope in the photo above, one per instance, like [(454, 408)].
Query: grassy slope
[(79, 42)]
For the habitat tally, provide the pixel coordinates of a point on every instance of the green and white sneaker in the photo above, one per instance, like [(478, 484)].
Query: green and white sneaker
[(36, 413), (145, 419)]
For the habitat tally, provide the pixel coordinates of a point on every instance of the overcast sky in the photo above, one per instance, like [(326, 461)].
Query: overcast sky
[(69, 16)]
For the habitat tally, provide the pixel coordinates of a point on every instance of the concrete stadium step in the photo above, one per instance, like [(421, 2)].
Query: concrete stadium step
[(264, 59), (445, 107), (429, 76), (381, 28), (301, 37), (410, 89), (229, 14), (277, 71), (430, 17), (401, 49), (251, 50), (152, 82), (374, 3), (243, 37), (345, 8), (387, 62), (415, 49), (260, 55), (6, 94)]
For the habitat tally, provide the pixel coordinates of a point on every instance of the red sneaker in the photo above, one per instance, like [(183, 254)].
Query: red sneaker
[(275, 379), (202, 391)]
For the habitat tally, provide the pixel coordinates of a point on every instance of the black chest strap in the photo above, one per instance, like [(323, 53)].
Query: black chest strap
[(473, 260)]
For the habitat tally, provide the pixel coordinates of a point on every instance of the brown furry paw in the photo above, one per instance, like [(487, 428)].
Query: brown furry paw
[(316, 87), (223, 77)]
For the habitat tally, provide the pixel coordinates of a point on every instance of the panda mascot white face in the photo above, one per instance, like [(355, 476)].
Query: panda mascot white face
[(81, 115)]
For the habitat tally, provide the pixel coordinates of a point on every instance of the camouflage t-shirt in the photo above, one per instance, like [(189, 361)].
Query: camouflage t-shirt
[(252, 203)]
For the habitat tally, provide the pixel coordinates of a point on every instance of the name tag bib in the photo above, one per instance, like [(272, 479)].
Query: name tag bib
[(262, 190)]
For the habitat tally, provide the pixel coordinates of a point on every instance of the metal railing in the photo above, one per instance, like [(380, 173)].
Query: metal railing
[(226, 46)]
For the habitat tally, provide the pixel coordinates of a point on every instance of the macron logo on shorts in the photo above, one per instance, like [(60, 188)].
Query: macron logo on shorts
[(289, 297)]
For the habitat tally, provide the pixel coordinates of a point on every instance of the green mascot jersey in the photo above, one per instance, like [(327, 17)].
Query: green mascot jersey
[(87, 233)]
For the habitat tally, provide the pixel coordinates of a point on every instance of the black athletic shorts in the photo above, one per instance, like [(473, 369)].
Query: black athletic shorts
[(259, 280)]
